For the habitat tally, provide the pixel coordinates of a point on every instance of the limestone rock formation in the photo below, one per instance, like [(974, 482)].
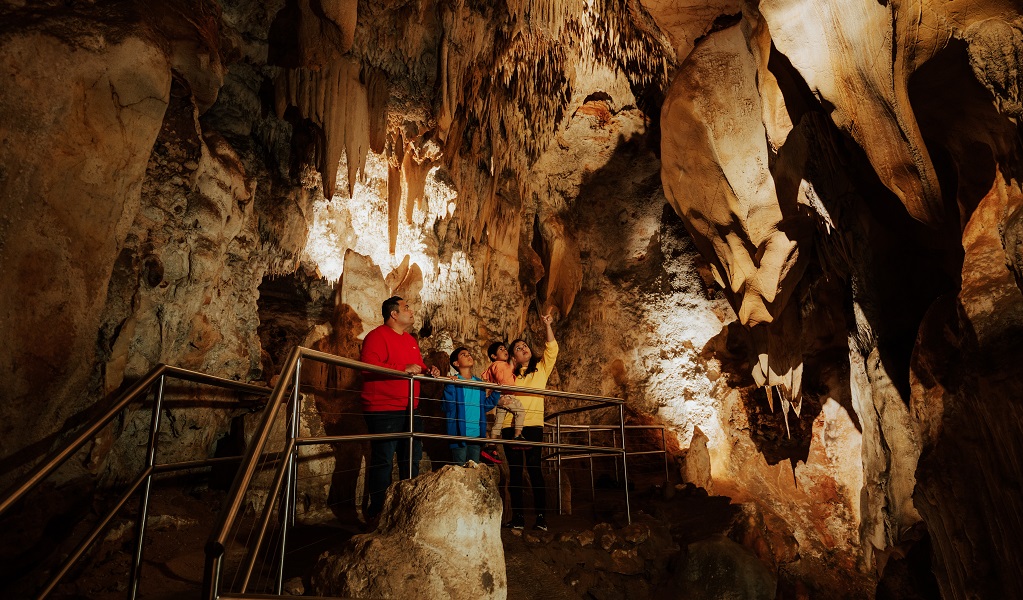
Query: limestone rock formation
[(808, 60), (66, 217), (698, 469), (964, 380), (439, 534), (787, 230)]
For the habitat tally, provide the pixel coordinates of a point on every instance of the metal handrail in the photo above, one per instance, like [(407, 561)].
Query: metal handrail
[(589, 429), (132, 393), (284, 476), (156, 376)]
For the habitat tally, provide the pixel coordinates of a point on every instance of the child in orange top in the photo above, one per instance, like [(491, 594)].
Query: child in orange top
[(500, 372)]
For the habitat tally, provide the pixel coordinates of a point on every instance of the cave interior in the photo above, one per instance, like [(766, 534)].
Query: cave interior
[(788, 234)]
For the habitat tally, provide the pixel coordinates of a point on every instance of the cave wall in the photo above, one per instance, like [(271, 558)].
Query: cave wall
[(788, 229), (892, 166), (73, 171)]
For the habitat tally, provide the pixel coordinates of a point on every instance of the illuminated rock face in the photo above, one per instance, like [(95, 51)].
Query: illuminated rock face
[(788, 230), (933, 134), (430, 528)]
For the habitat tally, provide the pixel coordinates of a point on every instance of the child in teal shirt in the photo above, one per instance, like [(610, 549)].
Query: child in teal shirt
[(465, 409)]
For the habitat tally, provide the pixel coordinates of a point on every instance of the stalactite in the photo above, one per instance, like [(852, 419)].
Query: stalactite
[(378, 91), (336, 101), (779, 366), (415, 170), (501, 94), (564, 265), (394, 161), (785, 405), (344, 14)]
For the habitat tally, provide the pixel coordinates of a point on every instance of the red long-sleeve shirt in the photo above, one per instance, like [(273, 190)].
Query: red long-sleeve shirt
[(384, 347)]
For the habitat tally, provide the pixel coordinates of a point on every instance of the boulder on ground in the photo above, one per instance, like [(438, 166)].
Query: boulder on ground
[(439, 537), (720, 569)]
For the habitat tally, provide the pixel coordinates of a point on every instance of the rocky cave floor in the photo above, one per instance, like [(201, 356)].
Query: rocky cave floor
[(587, 554)]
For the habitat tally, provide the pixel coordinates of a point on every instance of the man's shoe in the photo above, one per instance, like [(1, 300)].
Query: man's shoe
[(517, 522), (541, 523)]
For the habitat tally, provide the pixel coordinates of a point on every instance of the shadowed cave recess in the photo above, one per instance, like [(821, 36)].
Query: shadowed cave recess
[(789, 231)]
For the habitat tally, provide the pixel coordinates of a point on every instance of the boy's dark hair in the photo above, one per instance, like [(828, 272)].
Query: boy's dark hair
[(533, 361), (390, 305), (455, 353), (492, 348)]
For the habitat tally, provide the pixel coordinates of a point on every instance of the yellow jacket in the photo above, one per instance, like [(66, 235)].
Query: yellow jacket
[(532, 404)]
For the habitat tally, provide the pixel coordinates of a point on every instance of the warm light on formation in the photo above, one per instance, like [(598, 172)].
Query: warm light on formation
[(360, 224)]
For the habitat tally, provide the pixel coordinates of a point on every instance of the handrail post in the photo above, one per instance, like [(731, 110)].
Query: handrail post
[(664, 451), (246, 470), (557, 436), (140, 528), (295, 429), (625, 464), (411, 426), (614, 444), (211, 574), (593, 486), (291, 480)]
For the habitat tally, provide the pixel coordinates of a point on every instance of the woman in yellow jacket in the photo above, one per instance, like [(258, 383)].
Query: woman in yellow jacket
[(530, 372)]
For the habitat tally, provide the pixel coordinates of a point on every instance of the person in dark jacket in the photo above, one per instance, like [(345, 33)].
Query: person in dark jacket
[(465, 409)]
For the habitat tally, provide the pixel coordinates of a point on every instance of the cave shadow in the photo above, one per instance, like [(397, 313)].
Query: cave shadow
[(896, 267), (825, 377)]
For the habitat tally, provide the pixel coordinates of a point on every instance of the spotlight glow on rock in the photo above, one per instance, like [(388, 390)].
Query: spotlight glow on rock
[(360, 223)]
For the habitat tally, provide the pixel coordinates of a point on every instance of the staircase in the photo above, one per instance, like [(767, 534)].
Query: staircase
[(245, 554)]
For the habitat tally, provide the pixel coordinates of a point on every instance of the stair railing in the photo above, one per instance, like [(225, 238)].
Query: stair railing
[(154, 378)]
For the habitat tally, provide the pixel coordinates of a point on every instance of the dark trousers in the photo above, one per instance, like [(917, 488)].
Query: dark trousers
[(460, 455), (381, 454), (528, 460)]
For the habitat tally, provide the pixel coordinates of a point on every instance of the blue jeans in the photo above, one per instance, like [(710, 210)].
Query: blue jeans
[(378, 477), (459, 455)]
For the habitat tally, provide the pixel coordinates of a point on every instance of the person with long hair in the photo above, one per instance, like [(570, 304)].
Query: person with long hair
[(530, 372)]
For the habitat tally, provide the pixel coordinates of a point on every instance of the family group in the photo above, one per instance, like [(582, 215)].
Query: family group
[(520, 416)]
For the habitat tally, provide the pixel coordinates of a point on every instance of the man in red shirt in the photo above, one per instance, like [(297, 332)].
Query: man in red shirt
[(385, 399)]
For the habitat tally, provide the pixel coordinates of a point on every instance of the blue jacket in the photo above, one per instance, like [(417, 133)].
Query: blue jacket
[(453, 406)]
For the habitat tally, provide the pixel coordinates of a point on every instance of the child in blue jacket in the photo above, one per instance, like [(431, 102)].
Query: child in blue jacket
[(465, 409)]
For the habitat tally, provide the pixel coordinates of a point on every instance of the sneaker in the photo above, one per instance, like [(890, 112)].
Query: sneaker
[(517, 522), (541, 523), (490, 456)]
